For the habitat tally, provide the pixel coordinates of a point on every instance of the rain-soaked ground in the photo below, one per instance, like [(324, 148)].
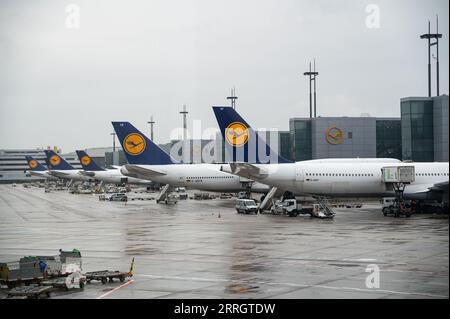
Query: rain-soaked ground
[(188, 251)]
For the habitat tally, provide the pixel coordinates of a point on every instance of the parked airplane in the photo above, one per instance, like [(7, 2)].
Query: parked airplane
[(91, 169), (60, 168), (148, 161), (330, 177), (37, 169)]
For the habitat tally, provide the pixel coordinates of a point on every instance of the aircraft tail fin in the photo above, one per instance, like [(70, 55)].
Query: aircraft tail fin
[(55, 161), (139, 149), (34, 164), (87, 162), (242, 141)]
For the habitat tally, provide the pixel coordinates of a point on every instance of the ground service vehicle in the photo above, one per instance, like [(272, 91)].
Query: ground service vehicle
[(246, 206), (118, 197), (391, 206), (288, 206)]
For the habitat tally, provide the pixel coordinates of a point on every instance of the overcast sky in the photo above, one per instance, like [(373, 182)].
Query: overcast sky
[(128, 60)]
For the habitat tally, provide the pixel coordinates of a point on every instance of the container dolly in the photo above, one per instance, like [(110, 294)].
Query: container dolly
[(30, 292), (105, 275)]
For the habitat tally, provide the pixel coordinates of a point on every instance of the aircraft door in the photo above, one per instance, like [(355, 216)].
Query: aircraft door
[(299, 177)]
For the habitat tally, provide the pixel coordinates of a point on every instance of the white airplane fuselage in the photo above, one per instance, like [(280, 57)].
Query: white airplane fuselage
[(348, 179), (206, 177)]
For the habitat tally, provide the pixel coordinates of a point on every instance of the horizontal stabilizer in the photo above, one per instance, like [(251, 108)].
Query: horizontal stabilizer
[(89, 174), (247, 170), (59, 173), (140, 172)]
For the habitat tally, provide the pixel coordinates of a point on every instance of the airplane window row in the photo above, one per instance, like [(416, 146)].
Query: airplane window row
[(339, 174), (431, 174), (211, 177)]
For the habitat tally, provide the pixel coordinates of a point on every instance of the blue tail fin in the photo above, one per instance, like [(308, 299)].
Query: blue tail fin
[(34, 164), (87, 163), (138, 148), (242, 141), (54, 161)]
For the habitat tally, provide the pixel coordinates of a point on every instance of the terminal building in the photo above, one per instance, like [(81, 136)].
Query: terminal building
[(419, 135), (13, 165), (344, 137), (425, 128)]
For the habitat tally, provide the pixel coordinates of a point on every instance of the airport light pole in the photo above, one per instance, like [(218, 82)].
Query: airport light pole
[(429, 36), (114, 141), (312, 77), (184, 112), (315, 95), (151, 122), (233, 98)]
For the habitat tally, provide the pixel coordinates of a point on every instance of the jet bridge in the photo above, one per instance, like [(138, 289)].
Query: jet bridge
[(398, 177)]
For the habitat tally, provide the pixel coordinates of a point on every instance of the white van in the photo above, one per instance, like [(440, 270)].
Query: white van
[(246, 206), (118, 197)]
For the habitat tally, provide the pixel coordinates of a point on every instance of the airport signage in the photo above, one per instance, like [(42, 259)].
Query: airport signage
[(334, 136)]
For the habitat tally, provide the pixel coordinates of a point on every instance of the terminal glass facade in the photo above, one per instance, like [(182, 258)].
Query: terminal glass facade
[(300, 139), (389, 139), (417, 130), (285, 144)]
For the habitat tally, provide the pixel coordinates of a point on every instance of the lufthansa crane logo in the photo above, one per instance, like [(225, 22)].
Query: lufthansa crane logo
[(134, 144), (85, 160), (334, 136), (237, 134), (55, 160), (33, 164)]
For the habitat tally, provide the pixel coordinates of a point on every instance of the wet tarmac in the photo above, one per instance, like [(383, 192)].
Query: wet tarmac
[(204, 249)]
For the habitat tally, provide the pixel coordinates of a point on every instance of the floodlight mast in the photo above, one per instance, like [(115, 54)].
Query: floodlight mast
[(312, 77), (429, 36)]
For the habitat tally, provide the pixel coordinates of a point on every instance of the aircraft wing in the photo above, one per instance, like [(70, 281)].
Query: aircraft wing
[(425, 188), (142, 172), (443, 186), (247, 170)]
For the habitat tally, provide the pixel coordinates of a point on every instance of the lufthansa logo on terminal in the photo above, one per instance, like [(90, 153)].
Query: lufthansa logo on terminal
[(85, 160), (334, 136), (237, 134), (55, 160), (33, 164), (134, 144)]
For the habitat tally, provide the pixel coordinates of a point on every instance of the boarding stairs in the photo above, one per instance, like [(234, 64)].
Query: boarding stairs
[(163, 194), (99, 187), (327, 209), (267, 202)]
